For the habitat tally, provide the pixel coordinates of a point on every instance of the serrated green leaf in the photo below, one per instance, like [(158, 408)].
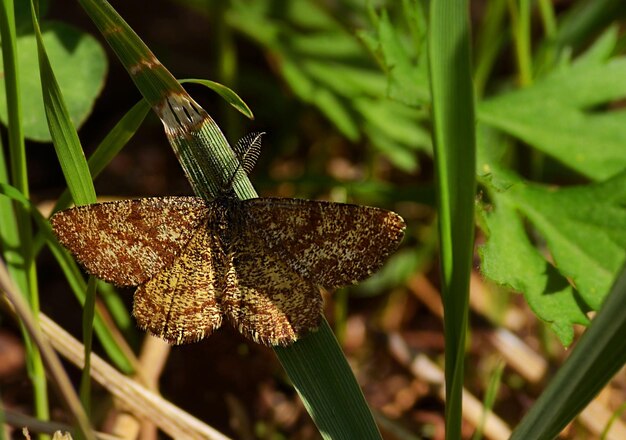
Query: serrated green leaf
[(601, 49), (585, 230), (408, 81), (555, 116), (510, 259), (340, 78), (397, 121), (80, 65)]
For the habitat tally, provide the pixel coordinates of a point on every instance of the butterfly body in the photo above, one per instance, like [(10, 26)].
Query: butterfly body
[(257, 263)]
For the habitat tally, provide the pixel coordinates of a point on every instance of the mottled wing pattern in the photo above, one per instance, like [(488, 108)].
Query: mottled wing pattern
[(129, 241), (181, 303), (329, 244), (264, 299)]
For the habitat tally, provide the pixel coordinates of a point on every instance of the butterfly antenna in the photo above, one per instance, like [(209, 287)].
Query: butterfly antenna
[(247, 150)]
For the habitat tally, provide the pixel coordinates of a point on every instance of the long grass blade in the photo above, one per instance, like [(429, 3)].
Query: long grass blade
[(198, 142), (316, 366), (16, 229), (597, 357), (89, 308), (62, 130), (209, 162), (454, 147), (61, 381), (110, 146)]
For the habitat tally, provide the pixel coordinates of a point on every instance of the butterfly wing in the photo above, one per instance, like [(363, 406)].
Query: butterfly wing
[(181, 303), (128, 241), (264, 299), (329, 244)]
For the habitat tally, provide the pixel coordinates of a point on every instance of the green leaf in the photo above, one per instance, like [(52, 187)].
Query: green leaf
[(454, 143), (110, 146), (584, 228), (510, 259), (229, 96), (408, 81), (80, 65), (340, 79), (557, 115), (62, 131), (327, 386), (597, 357)]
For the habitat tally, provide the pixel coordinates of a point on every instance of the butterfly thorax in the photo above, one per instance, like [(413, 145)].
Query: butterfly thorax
[(225, 218)]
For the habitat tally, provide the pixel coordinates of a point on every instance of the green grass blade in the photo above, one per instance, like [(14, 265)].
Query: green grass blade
[(20, 256), (64, 136), (110, 146), (454, 147), (229, 95), (66, 143), (597, 357), (208, 162), (196, 139), (328, 388), (151, 78), (53, 364), (89, 308), (11, 77)]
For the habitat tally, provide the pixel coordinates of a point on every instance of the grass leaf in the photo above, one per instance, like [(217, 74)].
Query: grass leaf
[(455, 158)]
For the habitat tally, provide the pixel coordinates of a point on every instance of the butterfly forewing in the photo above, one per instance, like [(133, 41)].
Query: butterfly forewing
[(181, 303), (329, 244), (264, 299), (129, 241)]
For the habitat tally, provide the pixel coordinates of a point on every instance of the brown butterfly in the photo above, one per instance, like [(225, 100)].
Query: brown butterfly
[(257, 262)]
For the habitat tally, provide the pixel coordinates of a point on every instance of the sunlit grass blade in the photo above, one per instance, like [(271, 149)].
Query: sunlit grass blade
[(197, 140), (62, 130), (597, 357), (229, 95), (75, 170), (454, 147), (12, 86), (209, 162), (110, 146), (88, 319), (73, 164), (53, 364), (16, 229), (316, 366)]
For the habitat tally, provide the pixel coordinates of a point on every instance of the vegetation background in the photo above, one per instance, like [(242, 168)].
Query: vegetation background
[(341, 90)]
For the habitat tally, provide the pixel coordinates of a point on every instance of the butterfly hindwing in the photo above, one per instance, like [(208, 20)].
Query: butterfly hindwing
[(181, 303), (329, 244), (127, 242), (264, 299)]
